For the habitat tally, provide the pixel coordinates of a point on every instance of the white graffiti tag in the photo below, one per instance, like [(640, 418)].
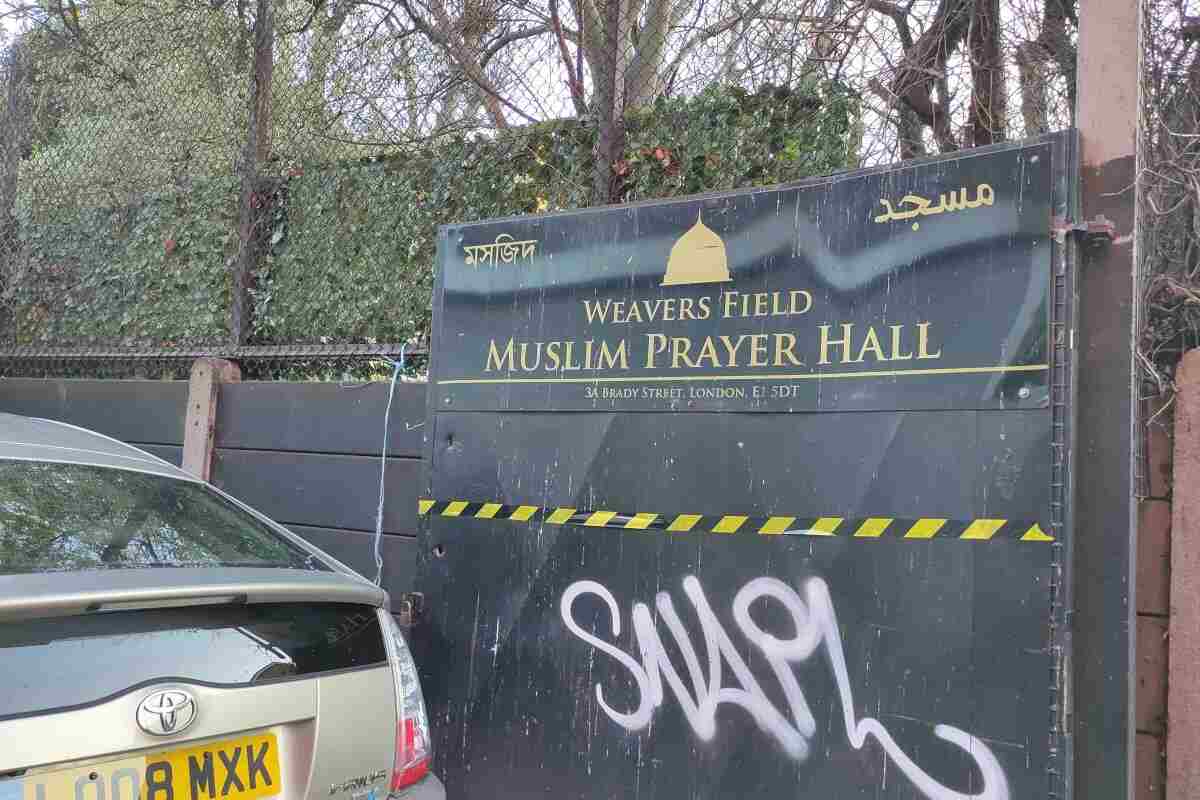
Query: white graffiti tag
[(815, 623)]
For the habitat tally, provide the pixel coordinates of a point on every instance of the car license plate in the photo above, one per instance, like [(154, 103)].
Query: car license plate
[(246, 768)]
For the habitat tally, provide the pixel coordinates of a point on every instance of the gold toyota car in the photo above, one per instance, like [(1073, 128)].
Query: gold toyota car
[(161, 641)]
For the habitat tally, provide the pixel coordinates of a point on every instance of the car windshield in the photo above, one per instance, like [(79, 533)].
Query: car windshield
[(56, 517)]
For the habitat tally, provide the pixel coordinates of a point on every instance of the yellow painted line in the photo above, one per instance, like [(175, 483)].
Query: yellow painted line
[(560, 516), (804, 376), (925, 529), (488, 511), (1036, 534), (826, 526), (777, 525), (983, 529), (729, 524), (599, 519), (523, 513), (423, 506), (455, 508), (641, 521), (684, 522), (873, 528)]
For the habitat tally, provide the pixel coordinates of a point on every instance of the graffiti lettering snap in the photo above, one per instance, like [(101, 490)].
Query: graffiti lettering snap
[(815, 626), (756, 494)]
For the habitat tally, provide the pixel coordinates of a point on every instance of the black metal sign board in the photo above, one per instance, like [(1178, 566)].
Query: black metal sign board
[(776, 594), (923, 287)]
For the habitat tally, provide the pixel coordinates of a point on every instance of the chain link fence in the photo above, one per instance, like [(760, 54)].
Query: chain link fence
[(1170, 191), (183, 177)]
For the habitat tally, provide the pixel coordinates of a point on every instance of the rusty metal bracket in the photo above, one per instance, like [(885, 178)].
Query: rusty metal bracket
[(409, 607), (1095, 232)]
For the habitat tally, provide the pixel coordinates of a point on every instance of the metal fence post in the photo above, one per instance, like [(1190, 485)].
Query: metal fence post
[(1105, 531)]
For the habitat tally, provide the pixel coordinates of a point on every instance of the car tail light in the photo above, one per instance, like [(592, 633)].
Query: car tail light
[(414, 751)]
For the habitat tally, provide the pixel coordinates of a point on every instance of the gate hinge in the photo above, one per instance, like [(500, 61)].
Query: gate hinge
[(1093, 232), (409, 606)]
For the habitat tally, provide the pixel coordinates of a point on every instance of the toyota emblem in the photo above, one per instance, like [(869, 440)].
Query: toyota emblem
[(166, 712)]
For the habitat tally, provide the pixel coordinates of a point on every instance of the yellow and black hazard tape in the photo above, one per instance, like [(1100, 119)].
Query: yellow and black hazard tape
[(861, 528)]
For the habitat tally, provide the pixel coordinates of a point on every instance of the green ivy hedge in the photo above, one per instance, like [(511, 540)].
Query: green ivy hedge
[(153, 274), (352, 244)]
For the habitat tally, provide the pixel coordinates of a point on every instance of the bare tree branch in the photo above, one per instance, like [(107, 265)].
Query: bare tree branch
[(573, 84)]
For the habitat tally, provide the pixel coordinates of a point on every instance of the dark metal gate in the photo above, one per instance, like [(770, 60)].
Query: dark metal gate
[(756, 494)]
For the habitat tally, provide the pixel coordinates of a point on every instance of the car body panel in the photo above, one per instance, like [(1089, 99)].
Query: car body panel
[(362, 702)]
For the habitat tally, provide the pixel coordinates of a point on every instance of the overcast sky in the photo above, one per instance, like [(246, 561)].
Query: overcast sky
[(9, 22)]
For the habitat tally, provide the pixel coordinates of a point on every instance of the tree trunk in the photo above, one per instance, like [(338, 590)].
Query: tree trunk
[(910, 133), (16, 126), (1031, 77), (1052, 46), (1059, 45), (914, 80), (610, 113), (643, 76), (988, 100), (255, 198), (15, 129), (1035, 59)]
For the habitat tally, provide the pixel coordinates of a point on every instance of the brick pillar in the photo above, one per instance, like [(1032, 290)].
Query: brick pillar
[(1153, 601), (1183, 696)]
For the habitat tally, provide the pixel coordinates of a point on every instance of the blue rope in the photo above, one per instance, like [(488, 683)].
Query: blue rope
[(397, 366)]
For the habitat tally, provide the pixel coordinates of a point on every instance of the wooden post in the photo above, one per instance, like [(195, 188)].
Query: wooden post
[(1183, 686), (203, 388)]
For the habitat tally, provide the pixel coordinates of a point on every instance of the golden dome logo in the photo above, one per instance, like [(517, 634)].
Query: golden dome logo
[(697, 257)]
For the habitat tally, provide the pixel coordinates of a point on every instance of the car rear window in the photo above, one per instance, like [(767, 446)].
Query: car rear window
[(56, 516), (58, 663)]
